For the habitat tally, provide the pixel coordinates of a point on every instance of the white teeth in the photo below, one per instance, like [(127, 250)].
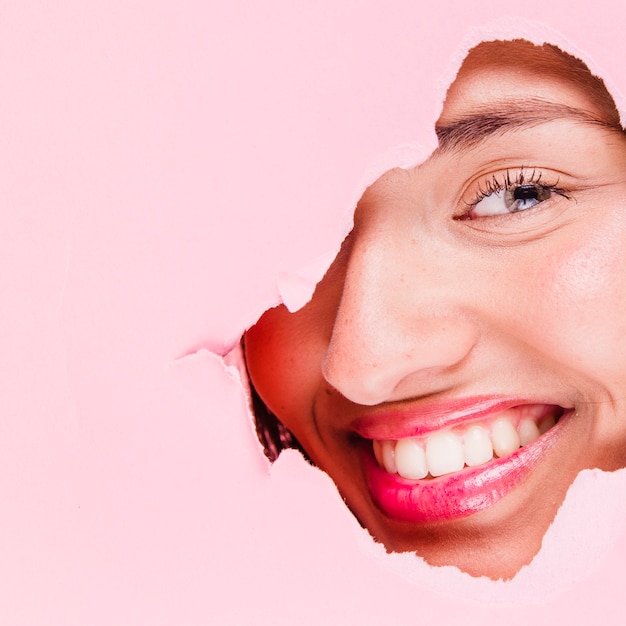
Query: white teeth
[(448, 451), (528, 432), (389, 461), (444, 453), (410, 459), (504, 437), (477, 446)]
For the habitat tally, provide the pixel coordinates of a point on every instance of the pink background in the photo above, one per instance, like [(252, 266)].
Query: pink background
[(164, 167)]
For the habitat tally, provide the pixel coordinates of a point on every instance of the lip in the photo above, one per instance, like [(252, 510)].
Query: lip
[(460, 494), (401, 423)]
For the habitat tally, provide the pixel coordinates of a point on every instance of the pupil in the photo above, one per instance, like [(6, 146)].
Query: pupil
[(526, 192)]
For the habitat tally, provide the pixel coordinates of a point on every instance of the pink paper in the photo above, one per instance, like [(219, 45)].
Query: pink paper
[(171, 170)]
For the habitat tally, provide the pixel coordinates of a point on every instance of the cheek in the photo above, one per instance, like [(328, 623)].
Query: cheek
[(269, 357), (283, 355), (590, 271), (582, 301)]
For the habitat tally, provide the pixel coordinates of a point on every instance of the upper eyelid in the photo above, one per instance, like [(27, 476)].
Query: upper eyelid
[(490, 183), (505, 178), (502, 179)]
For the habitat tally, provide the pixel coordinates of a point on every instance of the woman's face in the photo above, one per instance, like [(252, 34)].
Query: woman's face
[(480, 298)]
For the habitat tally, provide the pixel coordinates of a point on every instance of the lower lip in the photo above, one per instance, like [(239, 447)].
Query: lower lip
[(455, 495)]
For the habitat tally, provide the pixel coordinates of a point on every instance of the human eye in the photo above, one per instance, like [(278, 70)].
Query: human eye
[(511, 191)]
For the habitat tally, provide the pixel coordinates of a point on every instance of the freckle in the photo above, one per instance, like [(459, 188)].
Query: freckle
[(587, 269)]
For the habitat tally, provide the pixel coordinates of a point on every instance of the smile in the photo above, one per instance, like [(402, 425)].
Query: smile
[(466, 466), (447, 451)]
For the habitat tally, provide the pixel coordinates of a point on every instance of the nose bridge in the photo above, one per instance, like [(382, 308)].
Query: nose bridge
[(401, 319)]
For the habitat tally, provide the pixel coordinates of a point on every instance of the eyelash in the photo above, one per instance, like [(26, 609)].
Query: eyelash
[(509, 179)]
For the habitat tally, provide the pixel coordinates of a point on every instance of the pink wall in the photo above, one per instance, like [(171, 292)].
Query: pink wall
[(162, 163)]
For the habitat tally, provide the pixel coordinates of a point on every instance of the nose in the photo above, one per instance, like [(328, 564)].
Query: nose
[(401, 328)]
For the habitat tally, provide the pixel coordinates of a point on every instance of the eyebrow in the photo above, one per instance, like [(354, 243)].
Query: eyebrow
[(485, 122)]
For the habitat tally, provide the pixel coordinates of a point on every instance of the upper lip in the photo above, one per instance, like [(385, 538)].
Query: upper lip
[(419, 419)]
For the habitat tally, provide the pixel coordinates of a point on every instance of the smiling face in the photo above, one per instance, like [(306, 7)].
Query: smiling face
[(463, 358)]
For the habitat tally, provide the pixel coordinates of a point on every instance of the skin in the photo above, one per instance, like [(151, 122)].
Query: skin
[(429, 299)]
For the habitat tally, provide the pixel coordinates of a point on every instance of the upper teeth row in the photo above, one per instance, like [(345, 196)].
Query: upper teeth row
[(447, 451)]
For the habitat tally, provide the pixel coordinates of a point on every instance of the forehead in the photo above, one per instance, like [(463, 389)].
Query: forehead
[(502, 73)]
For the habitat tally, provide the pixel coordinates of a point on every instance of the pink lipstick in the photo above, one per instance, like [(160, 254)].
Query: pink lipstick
[(418, 421), (458, 493)]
